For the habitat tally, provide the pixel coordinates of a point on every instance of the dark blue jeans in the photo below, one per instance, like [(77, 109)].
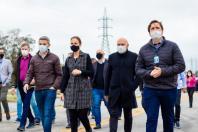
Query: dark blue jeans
[(45, 101), (32, 103), (178, 106), (152, 100), (97, 97), (26, 98)]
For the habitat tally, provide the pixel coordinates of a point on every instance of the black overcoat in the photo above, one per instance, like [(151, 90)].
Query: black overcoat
[(121, 80)]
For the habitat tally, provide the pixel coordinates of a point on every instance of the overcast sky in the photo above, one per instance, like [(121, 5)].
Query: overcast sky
[(61, 19)]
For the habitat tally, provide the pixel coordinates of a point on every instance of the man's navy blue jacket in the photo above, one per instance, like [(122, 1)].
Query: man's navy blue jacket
[(171, 63)]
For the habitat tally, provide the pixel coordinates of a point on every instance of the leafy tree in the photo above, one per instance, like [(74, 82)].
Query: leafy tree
[(10, 41)]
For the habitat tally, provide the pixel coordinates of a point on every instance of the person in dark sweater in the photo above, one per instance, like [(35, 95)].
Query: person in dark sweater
[(121, 84), (159, 62), (100, 68), (45, 68)]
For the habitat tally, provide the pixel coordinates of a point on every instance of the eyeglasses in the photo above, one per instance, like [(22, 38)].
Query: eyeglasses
[(121, 44), (74, 43)]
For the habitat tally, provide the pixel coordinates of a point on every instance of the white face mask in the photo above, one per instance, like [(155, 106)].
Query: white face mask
[(189, 74), (24, 52), (121, 49), (43, 48), (157, 34)]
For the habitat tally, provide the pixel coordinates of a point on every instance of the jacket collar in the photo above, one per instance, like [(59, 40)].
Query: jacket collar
[(103, 61), (3, 59), (81, 54), (124, 54), (48, 53), (20, 57), (27, 57), (150, 43)]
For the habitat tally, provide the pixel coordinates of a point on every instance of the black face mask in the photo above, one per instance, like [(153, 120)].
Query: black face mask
[(74, 48), (1, 56), (99, 56)]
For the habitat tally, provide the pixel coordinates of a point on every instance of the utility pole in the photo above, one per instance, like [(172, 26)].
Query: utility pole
[(105, 34)]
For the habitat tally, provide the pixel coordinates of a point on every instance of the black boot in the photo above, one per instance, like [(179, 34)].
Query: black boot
[(177, 125), (90, 130), (68, 126), (98, 126), (0, 117), (7, 115)]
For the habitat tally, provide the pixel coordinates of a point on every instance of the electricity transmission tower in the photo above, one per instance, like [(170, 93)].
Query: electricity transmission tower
[(105, 34)]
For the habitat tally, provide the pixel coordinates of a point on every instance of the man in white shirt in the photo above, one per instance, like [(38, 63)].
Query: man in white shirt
[(181, 87)]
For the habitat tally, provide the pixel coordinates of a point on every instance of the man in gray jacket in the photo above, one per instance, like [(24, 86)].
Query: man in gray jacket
[(158, 64), (5, 78)]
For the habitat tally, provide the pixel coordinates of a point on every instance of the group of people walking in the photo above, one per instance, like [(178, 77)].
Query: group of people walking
[(158, 68)]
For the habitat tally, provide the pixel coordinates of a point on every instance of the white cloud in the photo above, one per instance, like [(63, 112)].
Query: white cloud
[(63, 18)]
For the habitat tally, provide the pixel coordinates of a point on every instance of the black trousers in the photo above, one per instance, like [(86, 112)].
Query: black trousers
[(115, 114), (81, 114), (178, 106), (190, 95), (68, 118)]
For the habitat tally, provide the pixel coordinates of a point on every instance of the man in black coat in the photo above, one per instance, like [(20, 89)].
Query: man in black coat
[(121, 84)]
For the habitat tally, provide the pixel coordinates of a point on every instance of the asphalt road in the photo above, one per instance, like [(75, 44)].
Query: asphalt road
[(189, 119)]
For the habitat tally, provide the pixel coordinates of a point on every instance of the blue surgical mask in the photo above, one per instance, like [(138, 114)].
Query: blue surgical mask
[(43, 48)]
